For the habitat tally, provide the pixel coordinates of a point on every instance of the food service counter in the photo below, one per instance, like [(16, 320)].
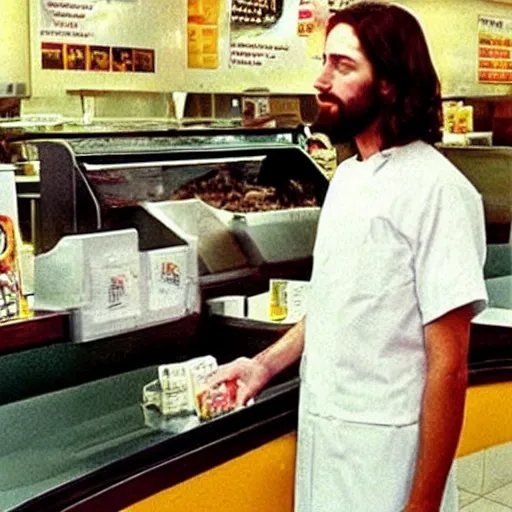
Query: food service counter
[(92, 447), (40, 329)]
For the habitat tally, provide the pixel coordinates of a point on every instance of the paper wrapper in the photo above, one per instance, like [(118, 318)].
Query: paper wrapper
[(177, 385)]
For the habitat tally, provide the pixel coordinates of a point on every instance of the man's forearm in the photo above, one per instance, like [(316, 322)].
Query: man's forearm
[(283, 352), (440, 426), (442, 408)]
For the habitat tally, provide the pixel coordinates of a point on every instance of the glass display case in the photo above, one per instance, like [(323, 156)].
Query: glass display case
[(239, 189)]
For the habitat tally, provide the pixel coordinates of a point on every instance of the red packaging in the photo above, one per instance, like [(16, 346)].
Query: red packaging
[(213, 402)]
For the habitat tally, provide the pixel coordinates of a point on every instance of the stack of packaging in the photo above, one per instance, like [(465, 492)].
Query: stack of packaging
[(181, 390)]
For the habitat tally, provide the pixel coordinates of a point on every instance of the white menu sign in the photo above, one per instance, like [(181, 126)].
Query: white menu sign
[(168, 278), (115, 292)]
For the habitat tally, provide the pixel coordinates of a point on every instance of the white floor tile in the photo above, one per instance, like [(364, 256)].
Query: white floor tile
[(502, 495), (465, 498), (470, 473), (498, 467), (484, 505)]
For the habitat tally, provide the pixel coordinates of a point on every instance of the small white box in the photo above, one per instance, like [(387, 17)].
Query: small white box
[(258, 307), (97, 276), (168, 284), (229, 305)]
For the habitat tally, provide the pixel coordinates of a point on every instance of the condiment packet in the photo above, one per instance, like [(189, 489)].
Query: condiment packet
[(181, 389), (199, 369), (179, 381)]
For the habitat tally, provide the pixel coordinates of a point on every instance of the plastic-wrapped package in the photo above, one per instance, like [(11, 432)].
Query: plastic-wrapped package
[(213, 402)]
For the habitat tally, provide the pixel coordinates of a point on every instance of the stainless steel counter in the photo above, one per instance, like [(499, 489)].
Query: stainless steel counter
[(63, 445)]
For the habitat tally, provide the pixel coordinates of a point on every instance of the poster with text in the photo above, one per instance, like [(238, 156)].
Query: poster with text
[(86, 35), (70, 20), (494, 50), (262, 30), (203, 34)]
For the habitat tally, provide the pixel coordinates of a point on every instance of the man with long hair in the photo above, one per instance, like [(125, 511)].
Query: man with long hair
[(397, 277)]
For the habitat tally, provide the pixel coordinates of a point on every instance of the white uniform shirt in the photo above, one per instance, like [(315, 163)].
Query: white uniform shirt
[(400, 242)]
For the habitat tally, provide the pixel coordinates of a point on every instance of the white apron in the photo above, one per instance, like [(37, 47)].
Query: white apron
[(357, 467)]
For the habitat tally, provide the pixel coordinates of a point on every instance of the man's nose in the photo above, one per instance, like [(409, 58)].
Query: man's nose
[(323, 83)]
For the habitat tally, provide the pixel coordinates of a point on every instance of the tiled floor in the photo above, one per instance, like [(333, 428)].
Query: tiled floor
[(499, 500), (484, 479)]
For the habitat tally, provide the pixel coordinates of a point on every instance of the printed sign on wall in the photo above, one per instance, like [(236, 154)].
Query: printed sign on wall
[(203, 34), (68, 19), (262, 30), (75, 36), (494, 50)]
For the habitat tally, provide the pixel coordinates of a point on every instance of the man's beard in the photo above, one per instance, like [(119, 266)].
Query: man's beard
[(350, 119)]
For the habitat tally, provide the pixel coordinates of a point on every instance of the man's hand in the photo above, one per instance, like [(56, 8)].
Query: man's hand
[(250, 375)]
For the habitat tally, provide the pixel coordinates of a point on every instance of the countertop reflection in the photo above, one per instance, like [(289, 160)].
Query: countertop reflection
[(51, 439)]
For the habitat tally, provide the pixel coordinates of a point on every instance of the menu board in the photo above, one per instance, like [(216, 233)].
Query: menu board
[(185, 45), (103, 45), (261, 31), (234, 45), (76, 36), (494, 50)]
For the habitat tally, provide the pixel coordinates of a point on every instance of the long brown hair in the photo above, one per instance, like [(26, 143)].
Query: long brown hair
[(393, 41)]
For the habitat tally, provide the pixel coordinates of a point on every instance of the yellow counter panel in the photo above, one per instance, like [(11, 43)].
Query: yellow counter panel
[(488, 417), (259, 480)]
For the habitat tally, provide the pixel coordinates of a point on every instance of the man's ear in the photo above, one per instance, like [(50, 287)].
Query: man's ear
[(387, 90)]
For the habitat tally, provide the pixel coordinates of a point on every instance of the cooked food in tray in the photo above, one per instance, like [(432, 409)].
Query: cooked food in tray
[(229, 190)]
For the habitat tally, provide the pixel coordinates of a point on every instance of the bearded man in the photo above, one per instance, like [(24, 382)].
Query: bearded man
[(397, 276)]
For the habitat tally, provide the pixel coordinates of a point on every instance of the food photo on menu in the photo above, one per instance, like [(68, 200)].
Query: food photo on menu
[(144, 60), (52, 56), (75, 56), (99, 58), (250, 14), (122, 59)]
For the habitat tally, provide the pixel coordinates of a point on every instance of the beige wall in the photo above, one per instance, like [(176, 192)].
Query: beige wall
[(14, 37), (451, 26)]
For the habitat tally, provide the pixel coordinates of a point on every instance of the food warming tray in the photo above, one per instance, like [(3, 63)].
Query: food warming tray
[(120, 181)]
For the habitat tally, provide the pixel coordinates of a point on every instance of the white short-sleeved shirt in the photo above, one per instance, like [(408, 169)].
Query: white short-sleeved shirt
[(400, 242)]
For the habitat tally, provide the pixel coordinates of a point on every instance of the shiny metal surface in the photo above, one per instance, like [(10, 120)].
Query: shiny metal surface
[(57, 438), (54, 438)]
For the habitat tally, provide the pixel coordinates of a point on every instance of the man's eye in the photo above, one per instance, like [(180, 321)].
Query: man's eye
[(341, 65)]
